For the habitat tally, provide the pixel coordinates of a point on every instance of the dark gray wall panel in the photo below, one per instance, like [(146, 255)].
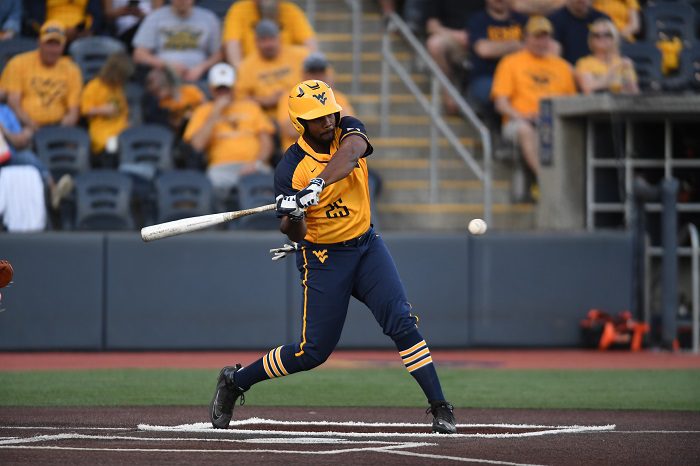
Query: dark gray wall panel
[(533, 289), (55, 301), (208, 290)]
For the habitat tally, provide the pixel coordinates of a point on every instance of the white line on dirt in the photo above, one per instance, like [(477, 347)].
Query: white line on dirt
[(452, 458), (63, 428)]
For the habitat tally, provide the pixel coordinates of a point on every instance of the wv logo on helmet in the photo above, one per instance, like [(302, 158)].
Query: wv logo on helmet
[(321, 97)]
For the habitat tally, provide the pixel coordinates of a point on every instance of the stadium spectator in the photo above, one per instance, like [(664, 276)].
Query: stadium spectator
[(10, 18), (316, 67), (168, 101), (605, 70), (182, 36), (268, 73), (104, 105), (571, 24), (18, 140), (43, 86), (234, 134), (239, 36), (79, 17), (447, 39), (624, 14), (522, 79), (125, 16), (494, 32)]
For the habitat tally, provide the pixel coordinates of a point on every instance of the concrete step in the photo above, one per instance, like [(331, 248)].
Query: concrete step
[(341, 21), (451, 217), (449, 191), (370, 83)]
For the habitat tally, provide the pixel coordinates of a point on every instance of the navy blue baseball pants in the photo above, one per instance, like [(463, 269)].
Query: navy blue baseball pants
[(330, 274)]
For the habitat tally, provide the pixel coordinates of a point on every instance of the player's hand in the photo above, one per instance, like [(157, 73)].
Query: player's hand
[(287, 205), (310, 195), (284, 251)]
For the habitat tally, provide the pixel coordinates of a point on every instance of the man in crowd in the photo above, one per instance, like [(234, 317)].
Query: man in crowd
[(571, 24), (182, 36), (447, 40), (234, 134), (269, 72), (525, 77), (494, 32), (43, 86), (239, 36)]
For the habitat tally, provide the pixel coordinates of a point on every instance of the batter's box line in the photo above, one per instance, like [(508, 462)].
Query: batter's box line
[(202, 427)]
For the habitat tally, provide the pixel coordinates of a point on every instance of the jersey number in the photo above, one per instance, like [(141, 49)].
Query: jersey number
[(337, 209)]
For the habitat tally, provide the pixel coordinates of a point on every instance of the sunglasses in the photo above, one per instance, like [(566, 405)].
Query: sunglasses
[(601, 35)]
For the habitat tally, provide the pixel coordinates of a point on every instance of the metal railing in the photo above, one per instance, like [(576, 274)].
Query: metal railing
[(432, 108), (356, 12)]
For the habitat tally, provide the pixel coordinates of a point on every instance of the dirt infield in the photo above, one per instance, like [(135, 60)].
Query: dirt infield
[(174, 435)]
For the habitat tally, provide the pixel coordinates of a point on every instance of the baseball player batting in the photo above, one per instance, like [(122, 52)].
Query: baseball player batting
[(322, 196)]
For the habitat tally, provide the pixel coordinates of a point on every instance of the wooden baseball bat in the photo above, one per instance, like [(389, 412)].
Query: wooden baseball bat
[(186, 225)]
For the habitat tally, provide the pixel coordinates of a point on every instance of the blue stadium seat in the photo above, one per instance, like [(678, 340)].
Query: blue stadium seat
[(647, 64), (63, 149), (14, 46), (146, 144), (181, 194), (103, 199), (255, 190), (134, 93), (671, 19), (90, 53)]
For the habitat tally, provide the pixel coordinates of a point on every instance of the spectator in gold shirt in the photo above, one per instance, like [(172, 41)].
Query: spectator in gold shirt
[(43, 86), (270, 71), (241, 19), (234, 134), (605, 70), (104, 104)]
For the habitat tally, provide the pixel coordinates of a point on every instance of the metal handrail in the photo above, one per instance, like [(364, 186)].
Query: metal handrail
[(356, 12), (438, 123)]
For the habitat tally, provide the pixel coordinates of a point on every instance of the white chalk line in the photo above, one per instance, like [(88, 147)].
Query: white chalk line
[(64, 428), (206, 427), (455, 458)]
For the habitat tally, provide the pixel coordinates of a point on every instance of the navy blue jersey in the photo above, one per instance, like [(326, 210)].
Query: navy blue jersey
[(480, 26), (572, 32)]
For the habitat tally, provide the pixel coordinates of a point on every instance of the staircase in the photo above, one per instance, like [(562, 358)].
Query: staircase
[(402, 158)]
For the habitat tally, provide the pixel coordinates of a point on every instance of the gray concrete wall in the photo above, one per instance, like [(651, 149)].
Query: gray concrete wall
[(221, 291)]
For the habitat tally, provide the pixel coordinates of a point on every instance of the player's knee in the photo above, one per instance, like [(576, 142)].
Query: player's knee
[(313, 358)]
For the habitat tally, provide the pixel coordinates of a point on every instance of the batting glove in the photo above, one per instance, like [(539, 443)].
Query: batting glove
[(287, 205), (310, 195), (284, 251)]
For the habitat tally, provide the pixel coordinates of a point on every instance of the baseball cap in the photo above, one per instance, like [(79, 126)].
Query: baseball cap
[(538, 24), (266, 28), (52, 30), (222, 74), (316, 61)]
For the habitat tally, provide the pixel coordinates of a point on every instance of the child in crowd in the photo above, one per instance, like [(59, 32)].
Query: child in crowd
[(104, 105)]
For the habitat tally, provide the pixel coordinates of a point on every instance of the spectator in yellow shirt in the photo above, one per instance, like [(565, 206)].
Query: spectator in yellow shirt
[(605, 70), (239, 27), (624, 13), (104, 103), (43, 86), (316, 67), (269, 72), (234, 134), (522, 79)]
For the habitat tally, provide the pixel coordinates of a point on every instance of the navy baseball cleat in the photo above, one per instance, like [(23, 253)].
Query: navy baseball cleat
[(443, 417), (221, 407)]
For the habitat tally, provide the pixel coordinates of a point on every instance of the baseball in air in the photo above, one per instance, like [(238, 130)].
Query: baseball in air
[(477, 227)]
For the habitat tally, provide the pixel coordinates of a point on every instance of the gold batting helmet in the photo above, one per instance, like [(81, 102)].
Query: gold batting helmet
[(309, 100)]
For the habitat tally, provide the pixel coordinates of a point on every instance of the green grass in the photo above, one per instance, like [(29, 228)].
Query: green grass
[(475, 388)]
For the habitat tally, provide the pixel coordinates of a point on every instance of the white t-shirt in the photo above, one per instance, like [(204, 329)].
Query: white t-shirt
[(188, 41)]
